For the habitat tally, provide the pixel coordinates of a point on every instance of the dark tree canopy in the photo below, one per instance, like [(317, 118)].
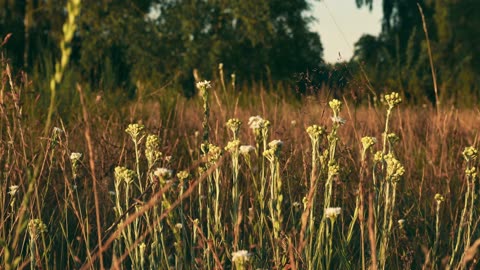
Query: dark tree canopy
[(121, 42), (398, 57)]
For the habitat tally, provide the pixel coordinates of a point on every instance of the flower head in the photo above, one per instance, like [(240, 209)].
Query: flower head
[(315, 131), (36, 227), (273, 151), (241, 256), (233, 146), (333, 170), (401, 223), (135, 131), (234, 125), (13, 190), (125, 175), (152, 150), (75, 157), (368, 142), (204, 85), (246, 149), (211, 151), (395, 169), (439, 198), (183, 175), (392, 138), (392, 99), (470, 153), (257, 122), (338, 120), (332, 212), (163, 173), (336, 106)]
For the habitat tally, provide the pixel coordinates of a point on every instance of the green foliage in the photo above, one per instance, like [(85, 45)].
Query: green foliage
[(118, 43), (398, 57)]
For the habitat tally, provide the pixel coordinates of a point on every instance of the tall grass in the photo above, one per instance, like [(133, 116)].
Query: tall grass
[(184, 184)]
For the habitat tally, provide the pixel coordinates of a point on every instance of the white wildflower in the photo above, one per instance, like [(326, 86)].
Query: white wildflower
[(163, 173), (204, 85), (241, 256), (338, 120), (332, 212), (256, 122), (246, 149), (13, 190)]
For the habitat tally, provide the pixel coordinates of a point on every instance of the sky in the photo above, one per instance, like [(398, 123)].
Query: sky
[(340, 24)]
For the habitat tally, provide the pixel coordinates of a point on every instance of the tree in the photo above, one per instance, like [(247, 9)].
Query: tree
[(400, 58)]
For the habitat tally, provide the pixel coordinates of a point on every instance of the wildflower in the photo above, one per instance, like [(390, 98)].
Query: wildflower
[(378, 157), (394, 168), (332, 212), (204, 85), (470, 153), (241, 256), (401, 223), (392, 138), (135, 131), (275, 144), (392, 100), (75, 157), (233, 146), (183, 175), (234, 125), (123, 174), (315, 131), (472, 172), (57, 131), (13, 190), (142, 247), (179, 226), (35, 228), (273, 152), (152, 151), (333, 170), (246, 149), (368, 142), (338, 120), (336, 106), (296, 205), (257, 122), (439, 198), (214, 153), (163, 173)]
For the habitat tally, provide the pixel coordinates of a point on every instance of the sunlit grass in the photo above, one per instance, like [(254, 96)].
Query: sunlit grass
[(183, 184)]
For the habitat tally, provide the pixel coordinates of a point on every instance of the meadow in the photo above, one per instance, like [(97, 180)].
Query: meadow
[(235, 178)]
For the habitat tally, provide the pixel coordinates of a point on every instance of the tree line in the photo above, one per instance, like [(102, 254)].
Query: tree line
[(120, 43)]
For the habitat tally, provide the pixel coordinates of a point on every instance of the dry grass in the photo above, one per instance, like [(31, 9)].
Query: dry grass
[(430, 149)]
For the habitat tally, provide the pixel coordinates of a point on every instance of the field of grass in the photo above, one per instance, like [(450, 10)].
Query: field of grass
[(236, 180)]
